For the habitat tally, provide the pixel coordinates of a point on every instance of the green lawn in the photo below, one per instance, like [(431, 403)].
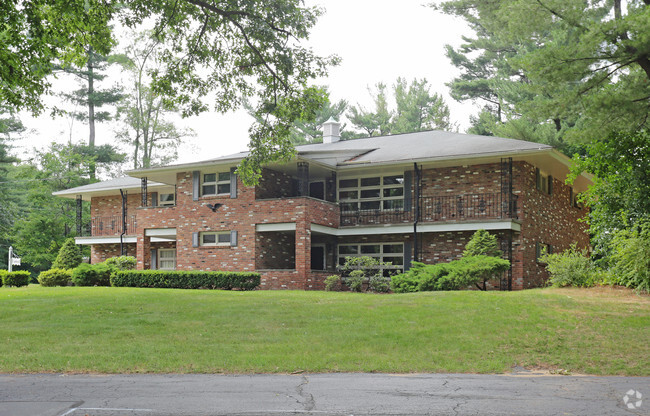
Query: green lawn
[(111, 330)]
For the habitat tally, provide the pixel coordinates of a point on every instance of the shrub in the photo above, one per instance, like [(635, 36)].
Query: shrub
[(186, 279), (455, 275), (404, 282), (379, 283), (3, 273), (92, 275), (69, 256), (482, 243), (17, 279), (55, 277), (333, 283), (355, 279), (572, 267), (631, 257), (122, 262), (356, 270), (473, 270)]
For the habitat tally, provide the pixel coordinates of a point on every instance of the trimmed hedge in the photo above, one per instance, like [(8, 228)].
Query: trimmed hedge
[(17, 279), (3, 273), (54, 277), (186, 279), (92, 275)]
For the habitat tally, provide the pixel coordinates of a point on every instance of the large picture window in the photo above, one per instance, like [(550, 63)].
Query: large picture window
[(380, 193), (384, 252), (216, 183)]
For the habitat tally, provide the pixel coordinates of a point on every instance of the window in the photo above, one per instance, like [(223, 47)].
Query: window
[(215, 238), (216, 183), (381, 193), (541, 249), (574, 200), (544, 182), (167, 259), (166, 200), (385, 252)]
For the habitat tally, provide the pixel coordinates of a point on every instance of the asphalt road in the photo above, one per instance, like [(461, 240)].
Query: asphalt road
[(321, 394)]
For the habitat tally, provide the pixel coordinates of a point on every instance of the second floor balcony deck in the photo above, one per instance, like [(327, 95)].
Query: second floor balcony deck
[(453, 208), (110, 226)]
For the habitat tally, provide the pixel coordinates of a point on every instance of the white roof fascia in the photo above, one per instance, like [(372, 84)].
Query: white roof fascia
[(280, 226), (104, 240), (69, 193)]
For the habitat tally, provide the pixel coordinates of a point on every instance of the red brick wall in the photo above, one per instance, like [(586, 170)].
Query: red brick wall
[(276, 250), (101, 252), (460, 180), (274, 184), (547, 219)]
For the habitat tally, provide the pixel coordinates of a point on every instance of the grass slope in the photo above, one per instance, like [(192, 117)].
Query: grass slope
[(116, 330)]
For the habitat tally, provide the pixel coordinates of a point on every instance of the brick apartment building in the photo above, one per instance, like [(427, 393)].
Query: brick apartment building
[(399, 198)]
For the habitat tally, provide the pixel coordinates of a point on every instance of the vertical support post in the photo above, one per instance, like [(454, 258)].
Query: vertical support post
[(124, 227), (506, 188), (416, 251), (330, 194), (10, 261), (506, 248), (303, 179), (143, 190), (79, 218)]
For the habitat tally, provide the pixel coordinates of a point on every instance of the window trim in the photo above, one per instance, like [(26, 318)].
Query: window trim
[(162, 203), (216, 183), (216, 243), (381, 187), (538, 250), (543, 182), (160, 259)]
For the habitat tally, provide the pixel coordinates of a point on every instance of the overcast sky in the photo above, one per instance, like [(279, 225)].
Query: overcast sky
[(378, 41)]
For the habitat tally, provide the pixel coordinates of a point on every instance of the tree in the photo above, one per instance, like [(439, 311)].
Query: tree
[(373, 123), (620, 196), (90, 95), (43, 220), (582, 67), (69, 256), (144, 114), (311, 131), (10, 126), (234, 50), (482, 243), (416, 109)]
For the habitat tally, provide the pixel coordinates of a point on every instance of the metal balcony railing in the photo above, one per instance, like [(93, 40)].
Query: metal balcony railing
[(467, 207), (110, 226)]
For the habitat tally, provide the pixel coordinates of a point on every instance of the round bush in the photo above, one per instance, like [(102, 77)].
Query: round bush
[(69, 256), (17, 279), (55, 277), (333, 283), (122, 262)]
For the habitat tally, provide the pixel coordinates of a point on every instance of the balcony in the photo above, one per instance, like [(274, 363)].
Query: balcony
[(109, 226), (468, 207)]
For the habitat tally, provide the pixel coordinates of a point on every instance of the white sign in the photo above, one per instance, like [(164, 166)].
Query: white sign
[(15, 261)]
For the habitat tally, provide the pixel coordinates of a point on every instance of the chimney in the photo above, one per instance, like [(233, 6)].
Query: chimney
[(331, 131)]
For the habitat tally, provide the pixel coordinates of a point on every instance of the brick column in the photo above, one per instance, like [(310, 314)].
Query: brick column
[(143, 252), (303, 251)]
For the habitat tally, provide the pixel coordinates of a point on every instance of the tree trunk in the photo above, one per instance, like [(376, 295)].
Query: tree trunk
[(91, 110)]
